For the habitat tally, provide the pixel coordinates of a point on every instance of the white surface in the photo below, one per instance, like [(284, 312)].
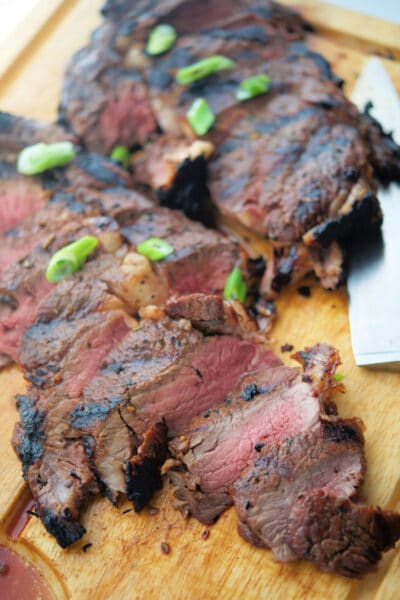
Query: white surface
[(11, 13), (385, 9)]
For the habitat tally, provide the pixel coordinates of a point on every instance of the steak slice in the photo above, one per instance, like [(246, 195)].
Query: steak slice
[(21, 196), (328, 457), (104, 102), (23, 285), (269, 404), (202, 258), (339, 535)]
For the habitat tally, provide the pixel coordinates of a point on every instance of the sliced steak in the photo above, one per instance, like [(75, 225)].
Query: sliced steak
[(339, 535), (103, 393), (268, 405), (330, 457)]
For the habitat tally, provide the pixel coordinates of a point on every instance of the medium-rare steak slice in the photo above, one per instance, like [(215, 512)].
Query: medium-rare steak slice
[(23, 286), (21, 196), (295, 165), (330, 456), (339, 535), (105, 103), (116, 379), (204, 370), (268, 405), (202, 258)]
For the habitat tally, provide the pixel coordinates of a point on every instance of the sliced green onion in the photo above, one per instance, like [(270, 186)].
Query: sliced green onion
[(40, 157), (70, 259), (235, 286), (121, 155), (202, 68), (155, 248), (339, 377), (161, 39), (200, 116), (252, 87)]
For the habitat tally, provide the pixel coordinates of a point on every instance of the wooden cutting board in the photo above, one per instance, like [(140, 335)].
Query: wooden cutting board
[(125, 558)]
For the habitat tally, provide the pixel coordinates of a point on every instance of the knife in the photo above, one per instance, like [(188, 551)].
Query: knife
[(374, 273)]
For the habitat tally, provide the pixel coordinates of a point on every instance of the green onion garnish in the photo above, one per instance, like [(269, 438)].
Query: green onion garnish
[(70, 259), (200, 116), (161, 39), (155, 248), (202, 68), (235, 286), (121, 155), (252, 87), (339, 377), (40, 157)]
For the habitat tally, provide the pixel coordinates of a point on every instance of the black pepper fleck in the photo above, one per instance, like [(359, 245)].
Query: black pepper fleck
[(304, 290), (286, 348), (165, 548), (250, 391)]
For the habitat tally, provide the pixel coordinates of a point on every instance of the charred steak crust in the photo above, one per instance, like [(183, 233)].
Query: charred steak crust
[(64, 529), (29, 435), (143, 471)]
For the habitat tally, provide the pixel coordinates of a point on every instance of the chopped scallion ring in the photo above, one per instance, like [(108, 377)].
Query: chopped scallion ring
[(40, 157), (235, 286), (252, 87), (202, 68), (161, 39), (121, 155), (339, 377), (155, 248), (70, 259), (200, 116)]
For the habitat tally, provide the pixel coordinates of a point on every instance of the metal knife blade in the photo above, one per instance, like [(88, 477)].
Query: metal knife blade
[(374, 274)]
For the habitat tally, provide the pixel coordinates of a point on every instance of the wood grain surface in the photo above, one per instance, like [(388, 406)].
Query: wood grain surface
[(125, 559)]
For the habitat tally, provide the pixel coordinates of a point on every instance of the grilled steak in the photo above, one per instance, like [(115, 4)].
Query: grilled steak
[(267, 406), (339, 535), (295, 165), (296, 499), (111, 384), (330, 456)]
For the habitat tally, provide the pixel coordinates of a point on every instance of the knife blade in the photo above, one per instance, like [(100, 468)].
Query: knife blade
[(374, 272)]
